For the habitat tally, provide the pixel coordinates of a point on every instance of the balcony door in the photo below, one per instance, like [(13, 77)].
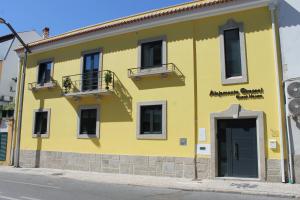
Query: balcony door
[(90, 72)]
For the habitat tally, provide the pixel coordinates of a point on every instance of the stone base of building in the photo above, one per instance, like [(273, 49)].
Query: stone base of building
[(272, 171), (124, 164), (297, 168)]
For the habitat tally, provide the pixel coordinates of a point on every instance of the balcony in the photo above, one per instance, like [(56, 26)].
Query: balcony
[(164, 70), (94, 83), (36, 86)]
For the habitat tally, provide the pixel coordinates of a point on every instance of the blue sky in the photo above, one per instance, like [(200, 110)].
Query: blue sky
[(65, 15)]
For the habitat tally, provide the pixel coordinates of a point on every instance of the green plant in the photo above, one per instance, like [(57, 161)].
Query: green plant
[(108, 79), (67, 84)]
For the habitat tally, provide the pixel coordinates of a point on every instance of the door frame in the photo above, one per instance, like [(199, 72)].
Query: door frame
[(235, 111)]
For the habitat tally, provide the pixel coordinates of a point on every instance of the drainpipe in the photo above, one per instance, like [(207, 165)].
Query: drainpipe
[(291, 166), (272, 8), (20, 110)]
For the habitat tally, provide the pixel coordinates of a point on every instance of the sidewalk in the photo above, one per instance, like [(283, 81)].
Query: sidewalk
[(227, 186)]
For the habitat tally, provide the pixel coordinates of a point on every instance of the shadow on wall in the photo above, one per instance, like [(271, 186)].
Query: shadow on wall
[(118, 107), (289, 16)]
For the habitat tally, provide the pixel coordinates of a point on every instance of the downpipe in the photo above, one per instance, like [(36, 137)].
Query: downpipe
[(272, 8)]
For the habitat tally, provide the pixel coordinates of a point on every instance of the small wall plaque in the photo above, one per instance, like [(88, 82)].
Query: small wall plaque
[(203, 149), (183, 141), (201, 135)]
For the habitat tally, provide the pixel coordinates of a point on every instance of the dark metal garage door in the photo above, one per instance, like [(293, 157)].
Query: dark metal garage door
[(237, 148)]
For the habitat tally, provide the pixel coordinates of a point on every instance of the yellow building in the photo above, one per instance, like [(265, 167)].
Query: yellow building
[(185, 91)]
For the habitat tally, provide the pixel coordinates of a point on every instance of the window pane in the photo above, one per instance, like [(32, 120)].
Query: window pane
[(232, 53), (151, 119), (88, 121), (41, 119), (157, 120), (151, 54), (145, 120), (90, 71), (44, 75)]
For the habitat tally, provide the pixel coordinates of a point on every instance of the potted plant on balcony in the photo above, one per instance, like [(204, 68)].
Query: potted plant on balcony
[(107, 79), (67, 84)]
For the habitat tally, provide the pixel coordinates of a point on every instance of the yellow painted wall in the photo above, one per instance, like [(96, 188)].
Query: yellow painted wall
[(118, 112), (261, 70)]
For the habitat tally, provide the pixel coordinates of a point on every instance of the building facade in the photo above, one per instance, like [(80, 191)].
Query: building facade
[(289, 24), (186, 91)]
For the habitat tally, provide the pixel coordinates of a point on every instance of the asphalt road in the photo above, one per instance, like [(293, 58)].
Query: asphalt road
[(32, 187)]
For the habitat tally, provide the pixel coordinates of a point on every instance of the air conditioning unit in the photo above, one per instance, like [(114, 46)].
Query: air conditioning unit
[(293, 98)]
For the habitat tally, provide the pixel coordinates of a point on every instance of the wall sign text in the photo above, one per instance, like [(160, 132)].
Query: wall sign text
[(242, 94)]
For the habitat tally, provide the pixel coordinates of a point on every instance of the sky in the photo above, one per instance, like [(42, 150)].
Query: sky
[(65, 15)]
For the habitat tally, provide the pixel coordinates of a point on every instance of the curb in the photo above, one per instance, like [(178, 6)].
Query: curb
[(30, 171)]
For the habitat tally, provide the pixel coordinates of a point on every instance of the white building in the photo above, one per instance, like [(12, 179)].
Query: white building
[(289, 26), (9, 64)]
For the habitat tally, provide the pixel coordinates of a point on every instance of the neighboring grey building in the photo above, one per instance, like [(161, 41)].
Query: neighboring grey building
[(289, 28), (9, 64)]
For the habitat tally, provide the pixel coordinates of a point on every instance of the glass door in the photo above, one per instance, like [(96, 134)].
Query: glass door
[(90, 72)]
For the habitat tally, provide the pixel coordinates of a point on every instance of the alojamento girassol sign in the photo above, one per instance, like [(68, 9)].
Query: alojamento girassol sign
[(242, 94)]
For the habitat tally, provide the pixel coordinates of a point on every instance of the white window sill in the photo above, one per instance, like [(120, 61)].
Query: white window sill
[(37, 135), (150, 72), (235, 80), (87, 136), (48, 85)]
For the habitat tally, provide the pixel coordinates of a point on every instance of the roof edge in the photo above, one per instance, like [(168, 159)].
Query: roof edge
[(185, 12)]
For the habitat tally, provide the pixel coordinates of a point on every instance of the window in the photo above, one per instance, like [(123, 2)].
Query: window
[(88, 122), (233, 63), (41, 123), (152, 53), (151, 120), (44, 72), (90, 71), (234, 68)]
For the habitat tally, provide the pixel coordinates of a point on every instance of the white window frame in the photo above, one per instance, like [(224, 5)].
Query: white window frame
[(163, 135), (46, 135), (231, 24), (50, 83), (164, 52), (86, 136)]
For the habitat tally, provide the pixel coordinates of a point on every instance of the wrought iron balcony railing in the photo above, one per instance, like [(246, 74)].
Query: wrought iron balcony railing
[(163, 70), (94, 82)]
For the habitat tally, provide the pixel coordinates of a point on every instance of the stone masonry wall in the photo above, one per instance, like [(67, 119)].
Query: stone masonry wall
[(123, 164), (273, 169), (297, 168)]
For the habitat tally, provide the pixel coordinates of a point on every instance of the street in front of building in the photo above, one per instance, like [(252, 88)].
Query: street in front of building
[(14, 186)]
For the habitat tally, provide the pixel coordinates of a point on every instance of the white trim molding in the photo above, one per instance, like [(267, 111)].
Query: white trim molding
[(86, 136), (154, 39), (163, 135), (230, 25), (36, 135)]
